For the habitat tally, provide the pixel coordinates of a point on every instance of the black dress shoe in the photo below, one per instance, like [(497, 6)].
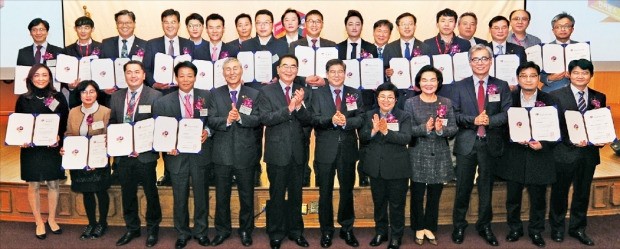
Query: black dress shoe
[(326, 240), (557, 236), (88, 232), (394, 244), (151, 240), (349, 238), (378, 239), (300, 241), (275, 243), (59, 231), (246, 239), (219, 239), (582, 237), (203, 240), (181, 243), (458, 235), (99, 231), (514, 236), (164, 181), (127, 237), (488, 236), (537, 240)]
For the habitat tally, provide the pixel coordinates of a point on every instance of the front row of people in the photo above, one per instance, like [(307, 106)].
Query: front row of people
[(401, 145)]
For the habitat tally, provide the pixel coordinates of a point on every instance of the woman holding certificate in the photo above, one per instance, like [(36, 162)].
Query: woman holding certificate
[(89, 119), (433, 122), (41, 164)]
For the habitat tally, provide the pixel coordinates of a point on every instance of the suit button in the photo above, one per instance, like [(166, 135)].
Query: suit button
[(432, 154)]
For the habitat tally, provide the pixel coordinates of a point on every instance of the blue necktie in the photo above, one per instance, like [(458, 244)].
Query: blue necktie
[(407, 51), (581, 103)]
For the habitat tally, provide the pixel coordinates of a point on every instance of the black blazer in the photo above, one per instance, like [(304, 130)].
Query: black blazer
[(386, 156), (432, 49), (275, 46), (329, 137), (393, 50), (236, 144), (565, 152), (366, 46), (25, 56), (512, 48), (110, 49), (74, 50), (521, 163), (157, 45), (479, 41), (283, 38), (304, 42), (203, 52)]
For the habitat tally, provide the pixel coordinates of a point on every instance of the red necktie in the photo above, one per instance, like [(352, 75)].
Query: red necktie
[(37, 55), (287, 95), (338, 99), (481, 131)]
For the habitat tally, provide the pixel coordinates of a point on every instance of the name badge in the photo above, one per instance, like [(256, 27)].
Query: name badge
[(275, 58), (53, 105), (392, 126), (245, 110), (144, 109), (494, 97), (204, 112), (50, 63), (352, 106), (97, 125), (444, 121)]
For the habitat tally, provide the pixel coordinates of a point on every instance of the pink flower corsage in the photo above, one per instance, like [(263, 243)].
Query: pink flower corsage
[(417, 52), (48, 101), (90, 119), (455, 49), (442, 111), (247, 102), (492, 89), (539, 104), (199, 103), (351, 99), (185, 50), (365, 54), (224, 55), (48, 56), (96, 51), (390, 118), (596, 103), (140, 52)]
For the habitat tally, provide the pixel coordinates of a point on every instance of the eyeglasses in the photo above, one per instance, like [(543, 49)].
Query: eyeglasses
[(314, 22), (194, 26), (565, 27), (39, 29), (408, 24), (500, 28), (93, 92), (84, 27), (526, 77), (520, 19), (483, 59), (289, 67), (334, 72), (384, 98), (263, 23), (124, 23)]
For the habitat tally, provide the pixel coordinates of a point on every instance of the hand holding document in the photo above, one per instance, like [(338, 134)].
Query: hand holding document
[(120, 142), (19, 129), (46, 129), (536, 123)]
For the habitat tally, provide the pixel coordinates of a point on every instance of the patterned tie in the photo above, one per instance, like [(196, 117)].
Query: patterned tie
[(314, 44), (171, 48), (353, 50), (581, 103), (500, 49), (481, 131), (214, 54), (233, 97), (380, 52), (124, 53), (407, 51), (287, 95), (131, 108), (338, 99), (37, 55), (188, 106)]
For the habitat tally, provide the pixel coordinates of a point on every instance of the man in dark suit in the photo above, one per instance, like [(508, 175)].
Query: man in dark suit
[(562, 26), (243, 24), (290, 21), (480, 104), (283, 111), (405, 47), (234, 118), (467, 25), (498, 26), (188, 102), (40, 51), (528, 163), (215, 48), (194, 23), (337, 113), (354, 47), (133, 104), (575, 163)]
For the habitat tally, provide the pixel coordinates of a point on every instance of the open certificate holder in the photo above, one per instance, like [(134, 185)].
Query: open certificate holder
[(45, 129), (66, 68), (163, 69), (120, 142), (102, 72), (545, 123), (76, 152), (165, 134), (189, 137), (19, 129), (519, 125), (600, 126)]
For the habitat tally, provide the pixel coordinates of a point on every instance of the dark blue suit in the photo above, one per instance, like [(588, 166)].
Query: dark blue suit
[(155, 46)]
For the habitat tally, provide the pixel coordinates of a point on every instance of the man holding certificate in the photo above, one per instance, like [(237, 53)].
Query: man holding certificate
[(40, 51), (405, 47), (188, 103), (480, 104), (576, 162), (500, 45), (562, 26), (528, 163)]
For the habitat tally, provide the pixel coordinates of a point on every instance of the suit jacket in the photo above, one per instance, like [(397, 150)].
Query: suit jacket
[(74, 49), (386, 156), (275, 46), (366, 46), (234, 46), (304, 42), (76, 117), (25, 56), (393, 50), (432, 43), (236, 144), (110, 49), (565, 152), (330, 137), (465, 105), (512, 49), (157, 45), (148, 96), (524, 165), (480, 41), (284, 137), (283, 38), (203, 52)]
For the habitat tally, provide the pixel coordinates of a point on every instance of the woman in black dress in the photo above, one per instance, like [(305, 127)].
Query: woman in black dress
[(41, 164)]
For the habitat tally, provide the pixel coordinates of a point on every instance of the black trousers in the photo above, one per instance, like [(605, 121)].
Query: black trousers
[(90, 205), (538, 206), (425, 218), (194, 176), (581, 178), (389, 194), (223, 188), (284, 216), (465, 172), (131, 172)]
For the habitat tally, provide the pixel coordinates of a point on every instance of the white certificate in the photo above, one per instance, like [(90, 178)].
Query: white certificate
[(505, 68), (553, 58), (56, 82), (143, 135), (519, 125), (534, 54), (262, 66), (119, 72), (189, 139), (120, 142), (67, 68), (575, 126), (352, 74), (577, 51), (545, 124), (163, 70), (45, 129), (402, 74), (305, 55), (84, 72), (417, 63), (323, 55), (247, 63), (218, 73), (76, 152), (204, 75), (97, 152), (102, 72), (600, 126), (19, 129), (165, 134), (443, 63), (371, 72), (21, 75), (461, 66)]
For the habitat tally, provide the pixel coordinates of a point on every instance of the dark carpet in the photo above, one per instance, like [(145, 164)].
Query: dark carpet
[(602, 229)]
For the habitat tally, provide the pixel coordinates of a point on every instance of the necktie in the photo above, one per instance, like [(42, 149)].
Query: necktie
[(499, 49), (287, 95), (124, 53), (37, 55), (130, 108), (314, 44), (581, 103), (380, 52), (214, 54), (481, 131), (353, 50), (171, 48), (233, 97), (188, 106), (407, 51), (338, 99)]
